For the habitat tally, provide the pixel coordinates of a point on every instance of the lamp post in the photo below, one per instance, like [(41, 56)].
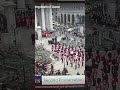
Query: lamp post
[(64, 63)]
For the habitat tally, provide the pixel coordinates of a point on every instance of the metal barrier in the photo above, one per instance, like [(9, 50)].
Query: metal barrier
[(110, 37)]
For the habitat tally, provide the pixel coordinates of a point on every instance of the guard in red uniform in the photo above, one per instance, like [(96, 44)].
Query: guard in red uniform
[(52, 48), (45, 68), (67, 59), (65, 52), (88, 82), (109, 61), (59, 72), (62, 57), (105, 85), (52, 71), (94, 75), (78, 62), (99, 86), (55, 48), (72, 60), (82, 59), (40, 65), (69, 51), (90, 55), (113, 67), (97, 56), (51, 67), (75, 65), (114, 82)]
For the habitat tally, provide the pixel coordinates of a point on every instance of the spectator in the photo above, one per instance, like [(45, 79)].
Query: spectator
[(33, 39)]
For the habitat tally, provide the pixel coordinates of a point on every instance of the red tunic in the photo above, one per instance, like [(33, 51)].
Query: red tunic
[(114, 81), (89, 81), (78, 61), (105, 85), (109, 60), (62, 56), (52, 71), (98, 58), (99, 87), (40, 66), (67, 59), (72, 60), (45, 67), (89, 56), (52, 48), (59, 72)]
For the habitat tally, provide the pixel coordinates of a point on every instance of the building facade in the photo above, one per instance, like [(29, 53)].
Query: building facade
[(70, 13)]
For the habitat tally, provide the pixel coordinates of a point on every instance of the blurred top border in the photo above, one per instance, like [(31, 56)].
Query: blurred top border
[(67, 1)]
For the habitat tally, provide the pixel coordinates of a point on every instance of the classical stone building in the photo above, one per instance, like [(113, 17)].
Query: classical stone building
[(62, 13), (70, 13)]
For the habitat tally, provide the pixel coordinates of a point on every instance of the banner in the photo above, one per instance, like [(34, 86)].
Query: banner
[(63, 80)]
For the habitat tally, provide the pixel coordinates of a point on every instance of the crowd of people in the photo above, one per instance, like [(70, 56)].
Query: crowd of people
[(106, 65), (102, 19), (70, 55), (25, 19), (73, 55)]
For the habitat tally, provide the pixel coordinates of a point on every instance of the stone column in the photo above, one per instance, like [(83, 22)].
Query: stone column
[(43, 19), (10, 15), (75, 18), (35, 18), (39, 41), (63, 19), (66, 19), (39, 34), (39, 20), (47, 21), (21, 4), (111, 9), (70, 18), (11, 23), (60, 17), (80, 18), (51, 19)]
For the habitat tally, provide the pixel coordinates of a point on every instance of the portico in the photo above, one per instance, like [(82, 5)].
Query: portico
[(44, 17)]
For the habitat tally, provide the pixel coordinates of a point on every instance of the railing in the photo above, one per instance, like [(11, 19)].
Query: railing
[(110, 37)]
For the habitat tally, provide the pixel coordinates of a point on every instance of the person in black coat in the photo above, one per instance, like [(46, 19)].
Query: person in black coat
[(4, 87), (33, 39)]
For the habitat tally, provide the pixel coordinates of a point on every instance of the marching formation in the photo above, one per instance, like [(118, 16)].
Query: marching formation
[(103, 72), (73, 55)]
